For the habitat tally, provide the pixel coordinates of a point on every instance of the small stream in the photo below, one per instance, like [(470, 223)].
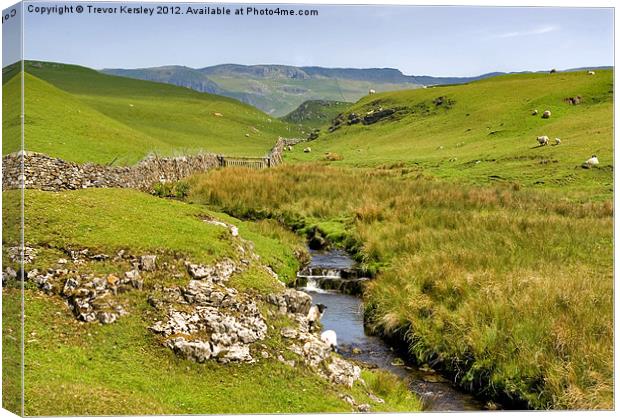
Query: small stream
[(335, 271)]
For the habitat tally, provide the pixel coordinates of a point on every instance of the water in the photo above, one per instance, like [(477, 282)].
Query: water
[(344, 315)]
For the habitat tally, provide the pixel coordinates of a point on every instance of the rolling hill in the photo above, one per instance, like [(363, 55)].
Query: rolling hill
[(83, 115), (276, 89), (485, 131), (280, 89)]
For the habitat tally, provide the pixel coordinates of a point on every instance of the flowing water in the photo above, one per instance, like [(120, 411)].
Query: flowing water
[(344, 314)]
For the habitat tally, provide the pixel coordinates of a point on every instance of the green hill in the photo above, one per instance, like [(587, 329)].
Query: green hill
[(485, 131), (82, 115), (278, 89), (316, 113)]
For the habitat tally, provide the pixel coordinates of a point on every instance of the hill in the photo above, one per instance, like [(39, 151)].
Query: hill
[(313, 114), (485, 131), (276, 89), (79, 114)]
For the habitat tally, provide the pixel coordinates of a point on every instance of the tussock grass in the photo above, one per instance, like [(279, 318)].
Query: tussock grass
[(76, 368), (509, 290)]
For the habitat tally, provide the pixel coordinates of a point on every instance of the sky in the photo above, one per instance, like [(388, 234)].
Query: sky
[(438, 41)]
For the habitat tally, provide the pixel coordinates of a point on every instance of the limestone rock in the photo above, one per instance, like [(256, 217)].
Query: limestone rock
[(148, 263)]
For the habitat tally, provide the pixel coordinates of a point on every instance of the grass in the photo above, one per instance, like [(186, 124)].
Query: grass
[(81, 115), (74, 368), (313, 114), (488, 133), (508, 290), (11, 311)]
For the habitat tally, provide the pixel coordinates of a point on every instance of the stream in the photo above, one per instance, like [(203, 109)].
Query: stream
[(329, 279)]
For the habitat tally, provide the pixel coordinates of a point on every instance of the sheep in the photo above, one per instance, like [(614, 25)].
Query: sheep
[(218, 114), (534, 112), (553, 71), (590, 162), (371, 91), (247, 135), (307, 149), (290, 148), (315, 314), (130, 105), (558, 141), (329, 337), (543, 140), (546, 114), (591, 72)]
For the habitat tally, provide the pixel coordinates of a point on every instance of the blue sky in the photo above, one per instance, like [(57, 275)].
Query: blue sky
[(441, 41)]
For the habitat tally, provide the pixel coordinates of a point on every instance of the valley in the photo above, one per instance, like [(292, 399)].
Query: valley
[(488, 256)]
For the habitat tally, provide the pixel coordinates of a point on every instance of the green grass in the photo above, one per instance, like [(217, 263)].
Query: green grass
[(79, 114), (313, 114), (457, 143), (74, 368), (509, 290)]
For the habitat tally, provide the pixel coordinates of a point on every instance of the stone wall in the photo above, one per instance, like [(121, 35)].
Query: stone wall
[(49, 173)]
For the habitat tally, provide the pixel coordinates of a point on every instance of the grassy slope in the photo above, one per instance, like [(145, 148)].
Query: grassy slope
[(76, 368), (509, 290), (82, 115), (501, 104), (11, 109), (315, 113)]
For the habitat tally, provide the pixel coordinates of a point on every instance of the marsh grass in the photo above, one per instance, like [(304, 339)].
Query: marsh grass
[(509, 290)]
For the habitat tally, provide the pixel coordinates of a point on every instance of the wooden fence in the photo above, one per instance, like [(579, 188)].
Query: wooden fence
[(273, 159)]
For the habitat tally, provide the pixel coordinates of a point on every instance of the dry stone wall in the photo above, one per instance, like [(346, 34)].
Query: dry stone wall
[(48, 173), (54, 174)]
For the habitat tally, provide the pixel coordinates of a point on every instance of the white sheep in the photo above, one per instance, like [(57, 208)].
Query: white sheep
[(590, 162), (371, 91), (308, 149), (534, 112), (591, 72), (546, 114), (315, 314), (558, 141), (543, 140), (290, 148), (329, 337)]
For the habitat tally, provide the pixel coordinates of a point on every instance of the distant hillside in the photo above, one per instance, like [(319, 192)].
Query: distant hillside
[(316, 113), (177, 75), (79, 114), (277, 89), (484, 131), (280, 89)]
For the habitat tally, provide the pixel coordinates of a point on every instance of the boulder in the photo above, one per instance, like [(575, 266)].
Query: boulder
[(376, 116), (147, 263)]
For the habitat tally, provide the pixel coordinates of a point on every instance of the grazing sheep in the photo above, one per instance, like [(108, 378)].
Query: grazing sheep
[(371, 91), (591, 72), (546, 114), (307, 149), (290, 148), (553, 71), (534, 112), (543, 140), (590, 162), (315, 314), (218, 114), (329, 337), (558, 141), (247, 135)]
